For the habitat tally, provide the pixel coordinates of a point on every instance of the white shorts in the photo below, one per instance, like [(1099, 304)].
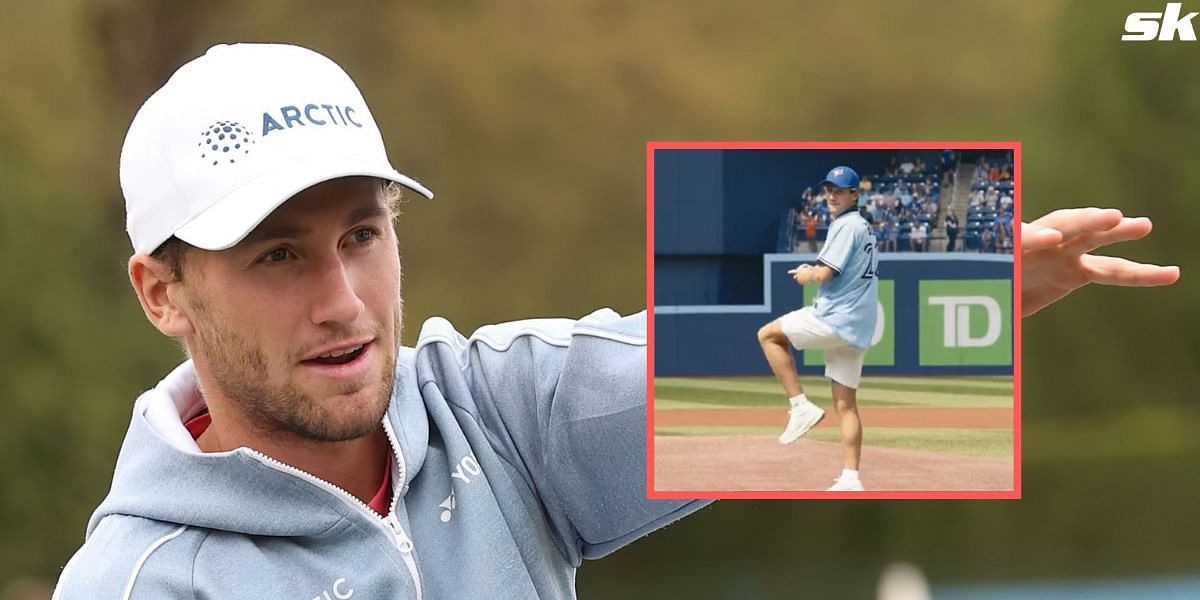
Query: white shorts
[(806, 331)]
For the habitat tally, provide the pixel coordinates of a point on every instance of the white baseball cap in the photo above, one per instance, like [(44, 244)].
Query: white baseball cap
[(233, 134)]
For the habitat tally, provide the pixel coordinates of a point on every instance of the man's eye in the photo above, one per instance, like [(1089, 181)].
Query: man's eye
[(277, 255), (364, 235)]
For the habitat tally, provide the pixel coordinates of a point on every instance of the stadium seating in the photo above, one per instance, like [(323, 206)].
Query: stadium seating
[(793, 238)]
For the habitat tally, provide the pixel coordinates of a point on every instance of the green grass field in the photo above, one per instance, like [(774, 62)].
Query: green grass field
[(764, 392), (883, 392)]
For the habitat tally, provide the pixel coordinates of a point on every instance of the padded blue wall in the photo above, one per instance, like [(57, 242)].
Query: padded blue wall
[(722, 340)]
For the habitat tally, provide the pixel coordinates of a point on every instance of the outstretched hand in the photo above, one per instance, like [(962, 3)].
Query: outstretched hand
[(1055, 259)]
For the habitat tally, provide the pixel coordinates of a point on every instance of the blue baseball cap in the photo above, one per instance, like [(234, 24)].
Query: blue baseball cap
[(842, 176)]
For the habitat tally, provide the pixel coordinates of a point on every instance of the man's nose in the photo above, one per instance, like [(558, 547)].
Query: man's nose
[(334, 298)]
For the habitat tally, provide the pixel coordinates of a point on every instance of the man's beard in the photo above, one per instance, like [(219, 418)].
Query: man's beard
[(239, 370)]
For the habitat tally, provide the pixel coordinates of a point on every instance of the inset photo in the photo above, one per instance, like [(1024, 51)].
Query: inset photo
[(833, 320)]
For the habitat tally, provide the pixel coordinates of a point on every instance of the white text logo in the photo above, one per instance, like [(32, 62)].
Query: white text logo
[(337, 591), (447, 507), (956, 313), (466, 468), (1145, 26)]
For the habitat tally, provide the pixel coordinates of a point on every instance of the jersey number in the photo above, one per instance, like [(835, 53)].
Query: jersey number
[(872, 269)]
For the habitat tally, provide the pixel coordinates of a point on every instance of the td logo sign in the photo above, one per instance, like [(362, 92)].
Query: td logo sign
[(966, 322), (957, 320)]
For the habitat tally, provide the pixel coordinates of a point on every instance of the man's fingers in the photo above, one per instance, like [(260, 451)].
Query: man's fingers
[(1128, 229), (1075, 221), (1111, 270), (1036, 237)]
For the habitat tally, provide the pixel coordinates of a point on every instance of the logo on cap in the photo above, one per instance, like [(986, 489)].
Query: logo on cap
[(223, 141), (837, 172), (311, 114)]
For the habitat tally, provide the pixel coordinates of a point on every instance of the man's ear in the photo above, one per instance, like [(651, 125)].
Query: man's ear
[(161, 295)]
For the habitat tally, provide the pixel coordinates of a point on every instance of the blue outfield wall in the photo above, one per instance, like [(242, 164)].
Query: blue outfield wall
[(716, 212), (944, 314)]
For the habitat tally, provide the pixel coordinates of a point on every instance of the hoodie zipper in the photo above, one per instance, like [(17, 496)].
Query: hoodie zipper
[(389, 525), (403, 542)]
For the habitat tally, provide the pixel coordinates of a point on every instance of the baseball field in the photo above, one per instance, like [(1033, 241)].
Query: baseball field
[(919, 434)]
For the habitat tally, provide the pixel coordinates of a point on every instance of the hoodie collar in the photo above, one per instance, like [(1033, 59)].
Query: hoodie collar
[(161, 473)]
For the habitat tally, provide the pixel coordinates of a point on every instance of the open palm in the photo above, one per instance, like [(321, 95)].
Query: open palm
[(1055, 259)]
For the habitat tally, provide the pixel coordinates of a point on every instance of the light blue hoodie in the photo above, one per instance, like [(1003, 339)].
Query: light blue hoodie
[(517, 453)]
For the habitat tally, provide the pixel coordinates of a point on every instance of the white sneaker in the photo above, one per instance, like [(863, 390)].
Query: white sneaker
[(846, 485), (801, 418)]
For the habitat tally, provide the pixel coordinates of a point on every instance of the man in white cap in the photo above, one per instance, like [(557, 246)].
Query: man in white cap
[(301, 452)]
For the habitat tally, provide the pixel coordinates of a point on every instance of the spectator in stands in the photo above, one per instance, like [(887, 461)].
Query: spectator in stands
[(881, 233), (874, 208), (998, 234), (905, 196), (864, 187), (892, 169), (948, 159), (1006, 229), (920, 166), (951, 229), (907, 167), (1005, 174), (979, 175), (893, 240), (994, 173), (810, 231), (917, 235), (988, 241), (806, 199)]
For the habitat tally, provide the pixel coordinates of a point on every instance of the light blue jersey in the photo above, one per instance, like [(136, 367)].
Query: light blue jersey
[(848, 301)]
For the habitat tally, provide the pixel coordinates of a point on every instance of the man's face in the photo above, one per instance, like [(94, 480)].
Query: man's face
[(839, 199), (319, 277)]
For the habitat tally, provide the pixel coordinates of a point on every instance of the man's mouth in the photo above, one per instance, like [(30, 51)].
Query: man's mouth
[(339, 357)]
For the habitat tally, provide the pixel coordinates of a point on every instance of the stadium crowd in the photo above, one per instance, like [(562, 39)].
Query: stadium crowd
[(903, 207)]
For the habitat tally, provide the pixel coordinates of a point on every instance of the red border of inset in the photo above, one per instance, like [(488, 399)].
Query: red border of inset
[(1014, 494)]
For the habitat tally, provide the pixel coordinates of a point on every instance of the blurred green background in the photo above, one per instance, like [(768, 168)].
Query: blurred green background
[(529, 120)]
